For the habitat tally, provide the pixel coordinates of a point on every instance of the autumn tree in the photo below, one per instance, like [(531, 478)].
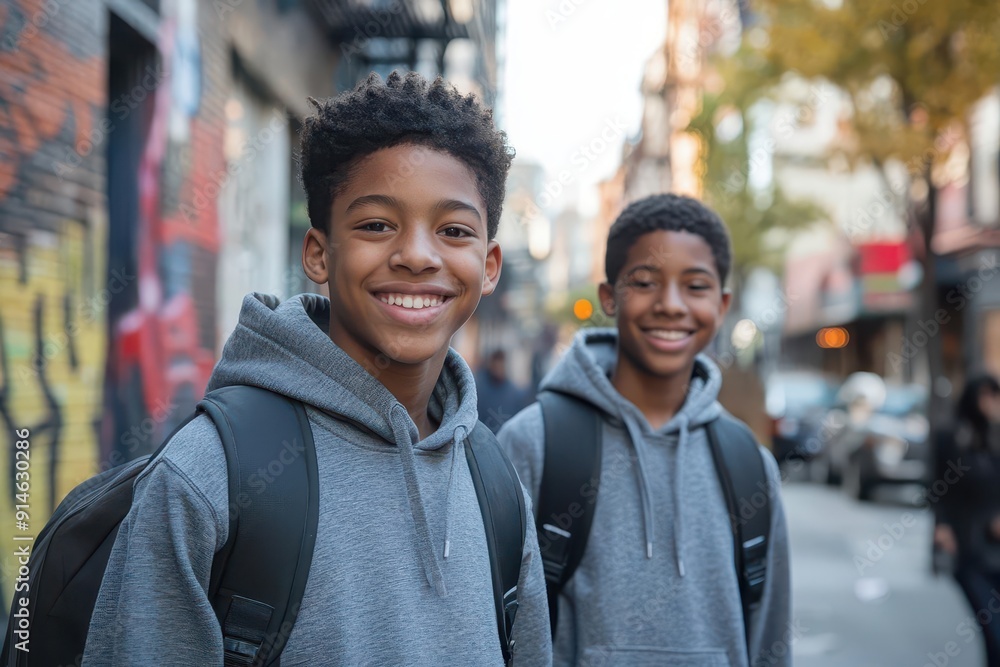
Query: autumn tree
[(911, 71)]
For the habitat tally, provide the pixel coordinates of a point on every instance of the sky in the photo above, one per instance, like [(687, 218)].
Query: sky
[(571, 80)]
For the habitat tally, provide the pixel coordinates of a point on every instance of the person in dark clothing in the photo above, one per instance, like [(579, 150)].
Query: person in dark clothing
[(499, 398), (968, 510)]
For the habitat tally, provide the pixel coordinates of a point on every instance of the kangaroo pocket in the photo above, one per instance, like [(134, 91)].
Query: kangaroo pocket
[(652, 656)]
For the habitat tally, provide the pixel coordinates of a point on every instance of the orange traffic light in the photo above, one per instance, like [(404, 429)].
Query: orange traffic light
[(583, 309), (832, 337)]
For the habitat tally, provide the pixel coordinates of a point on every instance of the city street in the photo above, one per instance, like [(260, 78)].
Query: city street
[(863, 592)]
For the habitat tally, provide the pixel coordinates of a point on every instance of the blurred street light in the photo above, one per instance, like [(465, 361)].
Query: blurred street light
[(583, 309), (832, 338)]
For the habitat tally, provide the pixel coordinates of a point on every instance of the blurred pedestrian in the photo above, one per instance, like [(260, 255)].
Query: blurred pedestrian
[(499, 397), (968, 510)]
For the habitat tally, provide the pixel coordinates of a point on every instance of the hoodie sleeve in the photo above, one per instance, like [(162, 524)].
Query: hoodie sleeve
[(153, 600), (532, 637), (523, 439), (772, 630)]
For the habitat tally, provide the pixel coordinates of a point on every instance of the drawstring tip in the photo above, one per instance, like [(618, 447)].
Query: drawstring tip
[(649, 549), (680, 567), (447, 547)]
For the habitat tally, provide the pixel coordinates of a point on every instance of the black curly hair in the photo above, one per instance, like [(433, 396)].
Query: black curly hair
[(401, 110), (968, 411), (670, 213)]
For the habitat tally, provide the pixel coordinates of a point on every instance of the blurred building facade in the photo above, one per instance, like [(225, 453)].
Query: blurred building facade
[(967, 242), (511, 318), (666, 156), (856, 272), (148, 182)]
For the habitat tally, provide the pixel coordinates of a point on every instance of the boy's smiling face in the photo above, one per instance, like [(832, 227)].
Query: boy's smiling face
[(668, 302), (406, 257)]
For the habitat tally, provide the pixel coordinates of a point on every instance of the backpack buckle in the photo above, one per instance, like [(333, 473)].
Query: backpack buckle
[(755, 565), (510, 606), (555, 553), (238, 652), (244, 630)]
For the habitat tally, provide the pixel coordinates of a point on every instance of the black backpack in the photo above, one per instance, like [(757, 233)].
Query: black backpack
[(256, 589), (571, 476)]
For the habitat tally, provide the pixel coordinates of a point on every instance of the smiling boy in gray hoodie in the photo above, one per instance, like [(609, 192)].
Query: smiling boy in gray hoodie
[(405, 182), (656, 584)]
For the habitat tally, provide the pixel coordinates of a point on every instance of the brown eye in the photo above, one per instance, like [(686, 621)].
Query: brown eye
[(456, 232)]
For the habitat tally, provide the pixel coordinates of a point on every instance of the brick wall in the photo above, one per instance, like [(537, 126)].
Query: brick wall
[(93, 372)]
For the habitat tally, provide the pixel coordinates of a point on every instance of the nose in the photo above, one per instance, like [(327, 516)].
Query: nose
[(671, 301), (416, 251)]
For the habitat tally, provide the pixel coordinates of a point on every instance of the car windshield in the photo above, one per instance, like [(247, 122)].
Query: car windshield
[(901, 401)]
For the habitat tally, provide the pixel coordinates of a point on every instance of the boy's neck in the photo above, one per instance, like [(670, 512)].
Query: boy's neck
[(659, 398), (412, 386)]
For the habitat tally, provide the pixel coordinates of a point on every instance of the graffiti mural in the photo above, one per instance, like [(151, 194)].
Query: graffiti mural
[(36, 105), (52, 354), (52, 264), (107, 262), (159, 351)]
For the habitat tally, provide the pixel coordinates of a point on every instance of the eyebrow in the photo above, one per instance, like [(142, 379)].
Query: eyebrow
[(378, 200), (392, 202), (656, 269), (455, 205)]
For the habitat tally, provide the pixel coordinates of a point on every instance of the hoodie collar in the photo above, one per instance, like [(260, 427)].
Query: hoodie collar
[(585, 372), (284, 347)]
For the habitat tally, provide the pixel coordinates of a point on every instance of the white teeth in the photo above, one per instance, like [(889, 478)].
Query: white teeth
[(411, 301), (669, 335)]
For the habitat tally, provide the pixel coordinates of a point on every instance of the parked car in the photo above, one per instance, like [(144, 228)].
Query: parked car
[(796, 402), (884, 439)]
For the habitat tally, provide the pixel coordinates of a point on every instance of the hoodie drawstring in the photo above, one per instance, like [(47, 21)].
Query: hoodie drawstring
[(432, 568), (678, 477), (456, 443), (647, 512), (647, 505)]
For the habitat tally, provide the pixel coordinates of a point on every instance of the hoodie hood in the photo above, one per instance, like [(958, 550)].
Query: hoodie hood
[(285, 348), (585, 372)]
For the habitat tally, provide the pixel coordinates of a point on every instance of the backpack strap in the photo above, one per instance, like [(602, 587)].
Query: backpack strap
[(259, 575), (499, 491), (743, 478), (571, 476)]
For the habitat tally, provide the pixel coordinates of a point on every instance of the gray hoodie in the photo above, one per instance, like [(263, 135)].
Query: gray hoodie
[(400, 573), (657, 584)]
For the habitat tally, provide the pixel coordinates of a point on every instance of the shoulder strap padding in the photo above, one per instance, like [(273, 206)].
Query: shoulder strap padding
[(743, 478), (571, 476), (259, 575), (501, 502)]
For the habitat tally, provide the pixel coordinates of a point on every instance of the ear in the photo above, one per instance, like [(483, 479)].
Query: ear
[(727, 298), (314, 256), (494, 262), (606, 294)]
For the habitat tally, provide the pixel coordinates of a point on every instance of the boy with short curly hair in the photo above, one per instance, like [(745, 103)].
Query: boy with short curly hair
[(405, 181), (656, 584)]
